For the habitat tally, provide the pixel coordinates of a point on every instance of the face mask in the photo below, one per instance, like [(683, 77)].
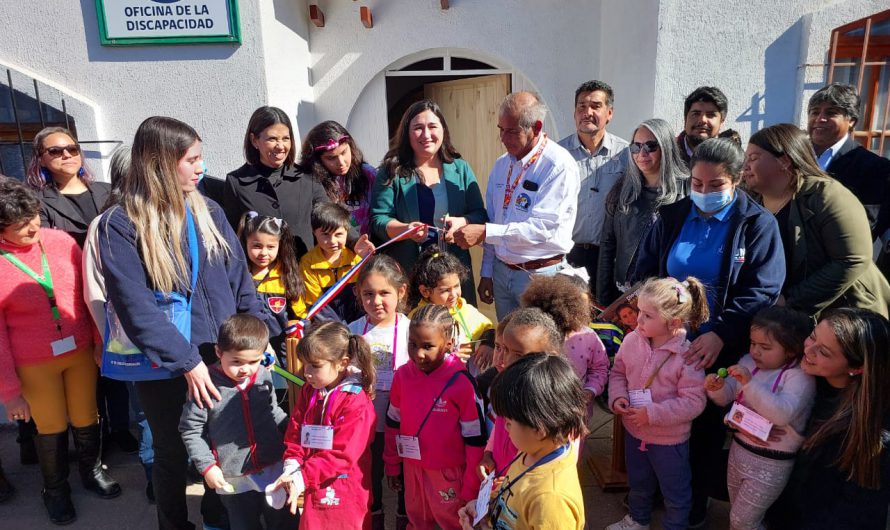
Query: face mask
[(712, 202)]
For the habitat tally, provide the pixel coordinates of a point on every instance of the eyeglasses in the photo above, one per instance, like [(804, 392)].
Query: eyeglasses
[(650, 147), (57, 150)]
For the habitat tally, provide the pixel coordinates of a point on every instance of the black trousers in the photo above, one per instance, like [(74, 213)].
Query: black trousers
[(587, 256), (113, 401), (377, 476), (162, 402)]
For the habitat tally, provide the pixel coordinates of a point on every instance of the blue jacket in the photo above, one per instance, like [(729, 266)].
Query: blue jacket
[(751, 275), (130, 291)]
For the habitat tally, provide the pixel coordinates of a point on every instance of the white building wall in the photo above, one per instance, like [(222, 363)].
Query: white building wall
[(753, 51), (214, 88)]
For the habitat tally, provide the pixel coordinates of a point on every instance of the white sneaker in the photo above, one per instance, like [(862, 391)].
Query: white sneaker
[(627, 523)]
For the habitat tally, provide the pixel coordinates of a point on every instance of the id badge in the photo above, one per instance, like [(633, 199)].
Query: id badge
[(749, 421), (62, 346), (408, 446), (483, 498), (639, 398), (384, 380), (317, 436)]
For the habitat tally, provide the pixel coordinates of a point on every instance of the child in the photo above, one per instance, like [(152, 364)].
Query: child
[(770, 382), (328, 441), (568, 303), (330, 154), (269, 247), (657, 396), (330, 259), (381, 288), (237, 444), (434, 425), (529, 330), (436, 279), (627, 317), (541, 399)]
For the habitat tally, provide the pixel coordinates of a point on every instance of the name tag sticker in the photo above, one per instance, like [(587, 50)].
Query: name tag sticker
[(639, 398), (749, 421), (408, 446), (483, 499), (63, 346), (317, 436)]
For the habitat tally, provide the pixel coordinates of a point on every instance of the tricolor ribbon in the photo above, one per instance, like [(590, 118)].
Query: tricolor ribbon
[(296, 330)]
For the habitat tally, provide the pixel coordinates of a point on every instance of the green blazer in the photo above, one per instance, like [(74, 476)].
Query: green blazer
[(398, 201), (831, 251)]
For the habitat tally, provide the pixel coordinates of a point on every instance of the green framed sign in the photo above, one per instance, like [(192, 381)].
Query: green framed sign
[(147, 22)]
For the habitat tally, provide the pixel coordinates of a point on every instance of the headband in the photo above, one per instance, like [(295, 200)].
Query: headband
[(331, 144)]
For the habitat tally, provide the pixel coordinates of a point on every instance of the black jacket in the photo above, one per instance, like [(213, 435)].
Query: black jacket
[(288, 194), (57, 212), (867, 175), (752, 272)]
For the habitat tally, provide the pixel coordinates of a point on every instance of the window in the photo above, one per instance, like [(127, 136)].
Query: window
[(860, 56)]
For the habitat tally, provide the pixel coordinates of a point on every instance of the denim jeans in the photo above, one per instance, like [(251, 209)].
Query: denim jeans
[(146, 452), (509, 284), (666, 466)]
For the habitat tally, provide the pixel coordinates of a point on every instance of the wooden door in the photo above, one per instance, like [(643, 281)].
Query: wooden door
[(471, 107)]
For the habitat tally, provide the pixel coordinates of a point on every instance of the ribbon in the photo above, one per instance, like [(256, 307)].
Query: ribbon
[(269, 362), (296, 330)]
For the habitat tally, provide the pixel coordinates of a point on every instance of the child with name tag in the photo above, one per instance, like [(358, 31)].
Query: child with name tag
[(381, 288), (436, 279), (767, 390), (657, 395), (328, 442), (542, 403), (238, 444), (435, 426)]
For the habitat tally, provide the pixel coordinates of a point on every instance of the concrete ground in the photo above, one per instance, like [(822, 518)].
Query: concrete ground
[(132, 511)]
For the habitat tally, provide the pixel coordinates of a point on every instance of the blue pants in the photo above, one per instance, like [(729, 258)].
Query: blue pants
[(146, 452), (659, 465), (509, 284)]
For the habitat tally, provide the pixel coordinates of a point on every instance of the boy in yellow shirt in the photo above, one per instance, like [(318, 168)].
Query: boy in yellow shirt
[(541, 399)]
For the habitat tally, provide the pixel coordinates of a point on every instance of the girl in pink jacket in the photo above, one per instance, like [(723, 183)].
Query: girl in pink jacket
[(434, 425), (657, 396)]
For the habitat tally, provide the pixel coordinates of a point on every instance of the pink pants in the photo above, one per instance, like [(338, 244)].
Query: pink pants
[(432, 497)]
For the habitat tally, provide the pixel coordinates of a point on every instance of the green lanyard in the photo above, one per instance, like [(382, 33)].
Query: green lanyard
[(45, 281)]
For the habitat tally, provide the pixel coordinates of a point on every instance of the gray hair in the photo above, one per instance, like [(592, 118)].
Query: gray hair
[(671, 174), (838, 95), (528, 112), (533, 317), (721, 151), (119, 164)]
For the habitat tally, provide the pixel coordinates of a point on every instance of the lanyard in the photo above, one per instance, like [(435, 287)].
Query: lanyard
[(395, 339), (740, 398), (463, 323), (655, 373), (328, 400), (45, 281), (435, 401), (549, 457), (510, 188)]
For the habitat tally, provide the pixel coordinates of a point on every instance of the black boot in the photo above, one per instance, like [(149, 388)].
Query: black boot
[(52, 451), (92, 472), (27, 449), (6, 489)]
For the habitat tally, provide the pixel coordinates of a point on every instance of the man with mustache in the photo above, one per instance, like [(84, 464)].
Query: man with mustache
[(602, 159), (704, 112), (832, 114)]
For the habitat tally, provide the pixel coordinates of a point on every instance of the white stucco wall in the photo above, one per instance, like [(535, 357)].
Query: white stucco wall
[(753, 51), (211, 87)]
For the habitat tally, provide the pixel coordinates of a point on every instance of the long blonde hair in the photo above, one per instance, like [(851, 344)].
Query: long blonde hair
[(150, 195)]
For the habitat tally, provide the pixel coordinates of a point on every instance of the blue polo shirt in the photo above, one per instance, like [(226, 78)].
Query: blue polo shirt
[(698, 250)]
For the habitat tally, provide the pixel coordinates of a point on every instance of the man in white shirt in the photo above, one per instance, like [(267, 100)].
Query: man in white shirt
[(532, 201)]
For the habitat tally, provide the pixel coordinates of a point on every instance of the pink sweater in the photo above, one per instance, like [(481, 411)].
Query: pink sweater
[(586, 352), (453, 435), (678, 393), (27, 329)]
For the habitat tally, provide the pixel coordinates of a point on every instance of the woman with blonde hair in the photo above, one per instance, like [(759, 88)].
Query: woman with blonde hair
[(145, 241)]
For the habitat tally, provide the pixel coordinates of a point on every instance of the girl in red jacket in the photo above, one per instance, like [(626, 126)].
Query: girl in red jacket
[(328, 454)]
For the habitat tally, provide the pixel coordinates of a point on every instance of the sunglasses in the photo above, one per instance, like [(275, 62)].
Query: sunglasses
[(650, 147), (57, 150)]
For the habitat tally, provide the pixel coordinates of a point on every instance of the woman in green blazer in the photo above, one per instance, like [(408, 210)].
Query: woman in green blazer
[(825, 230), (423, 180)]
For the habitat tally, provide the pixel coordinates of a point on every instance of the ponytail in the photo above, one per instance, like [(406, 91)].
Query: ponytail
[(331, 341), (698, 295), (359, 354)]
